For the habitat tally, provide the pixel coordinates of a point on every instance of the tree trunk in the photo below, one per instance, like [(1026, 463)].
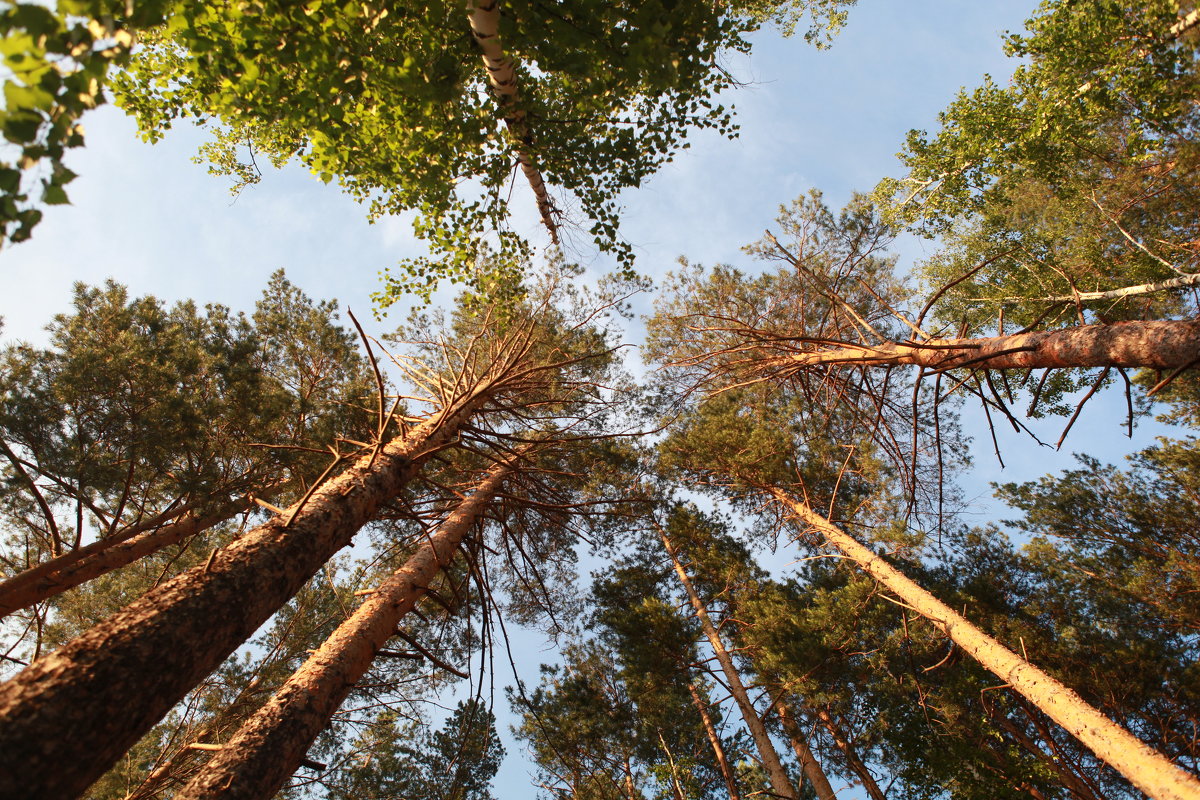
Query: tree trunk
[(781, 785), (485, 26), (78, 566), (1144, 767), (270, 745), (714, 739), (852, 760), (1160, 344), (70, 715), (1066, 774), (812, 767)]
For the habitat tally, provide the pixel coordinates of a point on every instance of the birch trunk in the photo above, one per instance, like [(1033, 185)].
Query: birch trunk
[(73, 568), (485, 27), (69, 716), (1160, 344), (781, 785), (1143, 766), (270, 745), (808, 762), (714, 739)]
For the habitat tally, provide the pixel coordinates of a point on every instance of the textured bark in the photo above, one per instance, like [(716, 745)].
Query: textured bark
[(98, 558), (69, 716), (808, 762), (714, 739), (270, 745), (1143, 766), (781, 785), (485, 27), (1161, 344)]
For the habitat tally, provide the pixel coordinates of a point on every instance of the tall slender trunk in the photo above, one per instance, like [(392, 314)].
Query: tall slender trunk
[(270, 745), (70, 715), (852, 758), (714, 739), (1143, 766), (1158, 344), (812, 767), (485, 27), (1066, 774), (78, 566), (781, 785)]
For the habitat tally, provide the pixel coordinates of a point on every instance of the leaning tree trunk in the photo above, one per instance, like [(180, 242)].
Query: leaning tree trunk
[(852, 759), (72, 714), (75, 567), (714, 739), (808, 762), (1143, 766), (1158, 344), (502, 75), (781, 785), (270, 745)]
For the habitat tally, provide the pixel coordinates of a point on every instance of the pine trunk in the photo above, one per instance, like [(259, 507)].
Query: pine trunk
[(781, 785), (1144, 767), (71, 715), (852, 760), (79, 566), (808, 762), (714, 739), (270, 746), (1159, 344)]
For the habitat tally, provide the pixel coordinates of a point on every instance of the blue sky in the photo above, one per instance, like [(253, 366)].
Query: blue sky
[(150, 218)]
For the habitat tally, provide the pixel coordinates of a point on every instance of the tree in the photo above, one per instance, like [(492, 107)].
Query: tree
[(398, 105), (266, 565), (270, 745), (781, 784), (145, 427), (1066, 194), (457, 762)]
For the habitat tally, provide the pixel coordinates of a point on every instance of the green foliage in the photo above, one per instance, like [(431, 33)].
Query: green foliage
[(1078, 176), (404, 759), (394, 104), (57, 62), (135, 409)]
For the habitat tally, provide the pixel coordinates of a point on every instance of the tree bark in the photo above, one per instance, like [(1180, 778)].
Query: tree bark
[(69, 716), (73, 568), (714, 739), (485, 27), (1159, 344), (781, 785), (270, 745), (1143, 766), (808, 762)]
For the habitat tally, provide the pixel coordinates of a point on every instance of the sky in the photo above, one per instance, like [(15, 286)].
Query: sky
[(147, 217)]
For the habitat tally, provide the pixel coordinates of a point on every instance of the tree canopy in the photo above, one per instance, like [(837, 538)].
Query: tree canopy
[(755, 553)]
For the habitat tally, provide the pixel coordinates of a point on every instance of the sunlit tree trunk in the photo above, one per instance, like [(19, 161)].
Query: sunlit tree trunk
[(485, 26), (1159, 344), (808, 762), (70, 715), (270, 745), (781, 785), (714, 739), (78, 566), (1144, 767)]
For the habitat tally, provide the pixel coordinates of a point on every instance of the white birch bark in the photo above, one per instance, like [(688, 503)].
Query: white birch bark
[(502, 75)]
